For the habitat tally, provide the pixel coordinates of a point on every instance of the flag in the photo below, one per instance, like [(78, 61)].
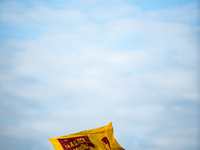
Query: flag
[(101, 138)]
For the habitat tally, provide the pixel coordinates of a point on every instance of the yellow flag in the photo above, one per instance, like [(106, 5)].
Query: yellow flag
[(101, 138)]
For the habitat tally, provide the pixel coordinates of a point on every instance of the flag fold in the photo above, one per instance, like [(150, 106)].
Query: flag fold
[(101, 138)]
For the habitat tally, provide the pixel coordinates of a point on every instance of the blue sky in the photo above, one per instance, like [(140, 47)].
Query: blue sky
[(68, 66)]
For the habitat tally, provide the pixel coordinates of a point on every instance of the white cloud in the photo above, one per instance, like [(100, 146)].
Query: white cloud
[(13, 13), (176, 138), (188, 13), (105, 13)]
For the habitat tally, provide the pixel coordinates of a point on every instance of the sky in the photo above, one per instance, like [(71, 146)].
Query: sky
[(69, 66)]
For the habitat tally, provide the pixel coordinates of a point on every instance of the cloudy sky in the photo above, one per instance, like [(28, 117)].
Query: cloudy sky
[(73, 65)]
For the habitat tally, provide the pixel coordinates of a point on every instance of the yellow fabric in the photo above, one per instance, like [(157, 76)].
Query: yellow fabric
[(101, 138)]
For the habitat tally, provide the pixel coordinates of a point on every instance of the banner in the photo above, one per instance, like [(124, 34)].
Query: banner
[(101, 138)]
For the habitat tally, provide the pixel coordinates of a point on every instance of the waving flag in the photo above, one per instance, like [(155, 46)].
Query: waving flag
[(101, 138)]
